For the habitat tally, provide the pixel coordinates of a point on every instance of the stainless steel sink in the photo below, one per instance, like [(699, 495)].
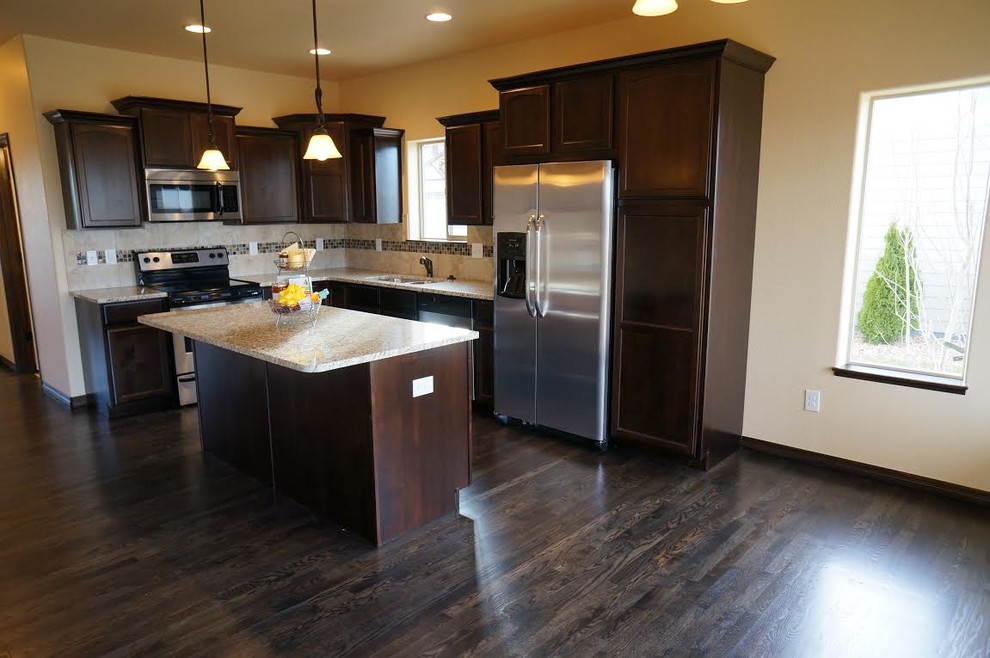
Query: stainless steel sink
[(398, 278)]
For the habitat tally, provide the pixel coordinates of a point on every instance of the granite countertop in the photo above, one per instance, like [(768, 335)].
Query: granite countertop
[(121, 294), (457, 288), (339, 338)]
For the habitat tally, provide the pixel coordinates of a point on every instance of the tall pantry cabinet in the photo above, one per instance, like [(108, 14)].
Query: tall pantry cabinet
[(687, 125)]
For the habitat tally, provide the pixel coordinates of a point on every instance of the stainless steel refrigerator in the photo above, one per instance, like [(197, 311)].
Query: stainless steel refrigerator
[(553, 261)]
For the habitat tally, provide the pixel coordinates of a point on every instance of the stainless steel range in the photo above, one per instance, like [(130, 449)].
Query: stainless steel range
[(193, 279)]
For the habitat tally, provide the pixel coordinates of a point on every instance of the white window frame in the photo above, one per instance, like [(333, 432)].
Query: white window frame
[(844, 364), (455, 233)]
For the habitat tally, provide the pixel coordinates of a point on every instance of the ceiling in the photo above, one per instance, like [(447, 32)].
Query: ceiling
[(274, 35)]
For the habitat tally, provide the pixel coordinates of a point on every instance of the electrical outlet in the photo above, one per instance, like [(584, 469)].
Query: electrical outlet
[(477, 250), (378, 244), (91, 257), (253, 248), (812, 400), (422, 386), (319, 244), (111, 256)]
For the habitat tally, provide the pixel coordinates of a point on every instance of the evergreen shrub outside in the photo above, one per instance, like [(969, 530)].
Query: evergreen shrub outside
[(884, 315)]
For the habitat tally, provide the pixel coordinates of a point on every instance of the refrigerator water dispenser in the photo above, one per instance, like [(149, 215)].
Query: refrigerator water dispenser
[(512, 265)]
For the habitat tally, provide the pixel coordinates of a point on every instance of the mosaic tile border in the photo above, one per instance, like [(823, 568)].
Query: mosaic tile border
[(244, 248)]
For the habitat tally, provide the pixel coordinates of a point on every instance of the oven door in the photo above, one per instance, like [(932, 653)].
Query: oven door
[(185, 361)]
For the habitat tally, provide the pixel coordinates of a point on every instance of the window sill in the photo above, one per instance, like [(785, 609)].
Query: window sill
[(910, 379)]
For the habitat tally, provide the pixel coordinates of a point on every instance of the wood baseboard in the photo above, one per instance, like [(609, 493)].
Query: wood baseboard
[(76, 402), (918, 482)]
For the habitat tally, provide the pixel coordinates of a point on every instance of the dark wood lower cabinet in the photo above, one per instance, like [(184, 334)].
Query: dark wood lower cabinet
[(484, 353), (127, 366)]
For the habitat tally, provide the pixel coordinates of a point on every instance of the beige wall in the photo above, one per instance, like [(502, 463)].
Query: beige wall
[(16, 118), (828, 54), (79, 77)]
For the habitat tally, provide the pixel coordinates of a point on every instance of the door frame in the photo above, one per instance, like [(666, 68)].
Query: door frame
[(14, 273)]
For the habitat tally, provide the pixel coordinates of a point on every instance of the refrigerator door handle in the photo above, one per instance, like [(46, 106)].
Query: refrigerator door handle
[(541, 283), (530, 262)]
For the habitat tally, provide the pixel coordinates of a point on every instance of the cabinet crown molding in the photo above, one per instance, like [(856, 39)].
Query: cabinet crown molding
[(131, 104), (725, 48)]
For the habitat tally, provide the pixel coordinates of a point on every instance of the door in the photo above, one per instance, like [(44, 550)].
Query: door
[(464, 180), (15, 305), (515, 201), (268, 177), (573, 272), (325, 183)]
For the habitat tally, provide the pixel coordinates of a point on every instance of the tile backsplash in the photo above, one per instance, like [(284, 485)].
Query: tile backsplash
[(350, 245)]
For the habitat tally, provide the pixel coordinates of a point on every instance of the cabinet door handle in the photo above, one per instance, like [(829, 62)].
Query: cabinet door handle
[(186, 380)]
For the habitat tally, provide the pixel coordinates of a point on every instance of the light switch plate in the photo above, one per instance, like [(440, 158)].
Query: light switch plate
[(111, 256), (253, 248), (422, 386), (477, 250), (378, 244), (91, 257), (319, 244)]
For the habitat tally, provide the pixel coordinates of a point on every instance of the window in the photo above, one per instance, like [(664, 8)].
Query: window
[(922, 213), (428, 193)]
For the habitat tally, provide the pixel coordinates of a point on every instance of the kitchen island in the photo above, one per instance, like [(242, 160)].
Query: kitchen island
[(364, 419)]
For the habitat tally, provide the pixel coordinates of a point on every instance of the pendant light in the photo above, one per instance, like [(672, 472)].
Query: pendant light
[(212, 157), (321, 146)]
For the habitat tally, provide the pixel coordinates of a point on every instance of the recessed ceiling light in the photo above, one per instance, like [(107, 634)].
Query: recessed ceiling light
[(439, 17), (319, 51), (198, 29)]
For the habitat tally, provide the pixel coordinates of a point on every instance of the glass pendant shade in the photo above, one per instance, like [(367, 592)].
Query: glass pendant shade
[(654, 7), (213, 160), (321, 147)]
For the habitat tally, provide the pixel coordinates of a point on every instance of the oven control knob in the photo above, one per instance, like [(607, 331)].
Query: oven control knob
[(156, 259)]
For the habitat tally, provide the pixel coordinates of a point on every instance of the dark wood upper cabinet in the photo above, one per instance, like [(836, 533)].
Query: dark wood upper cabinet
[(167, 138), (525, 120), (582, 117), (464, 170), (174, 133), (269, 160), (98, 164), (325, 183), (223, 131), (365, 185), (491, 152), (666, 130), (376, 175), (472, 142)]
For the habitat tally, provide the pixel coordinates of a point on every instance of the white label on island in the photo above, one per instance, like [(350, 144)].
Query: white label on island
[(422, 386)]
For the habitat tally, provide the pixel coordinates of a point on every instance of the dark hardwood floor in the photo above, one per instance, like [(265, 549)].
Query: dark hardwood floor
[(118, 537)]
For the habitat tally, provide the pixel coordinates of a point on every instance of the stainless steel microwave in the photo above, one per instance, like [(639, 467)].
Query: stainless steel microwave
[(181, 195)]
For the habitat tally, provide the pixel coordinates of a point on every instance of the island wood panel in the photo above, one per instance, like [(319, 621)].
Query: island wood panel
[(322, 443), (422, 456), (233, 409), (351, 444)]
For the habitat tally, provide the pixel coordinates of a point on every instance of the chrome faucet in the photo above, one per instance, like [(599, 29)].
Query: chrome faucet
[(428, 264)]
